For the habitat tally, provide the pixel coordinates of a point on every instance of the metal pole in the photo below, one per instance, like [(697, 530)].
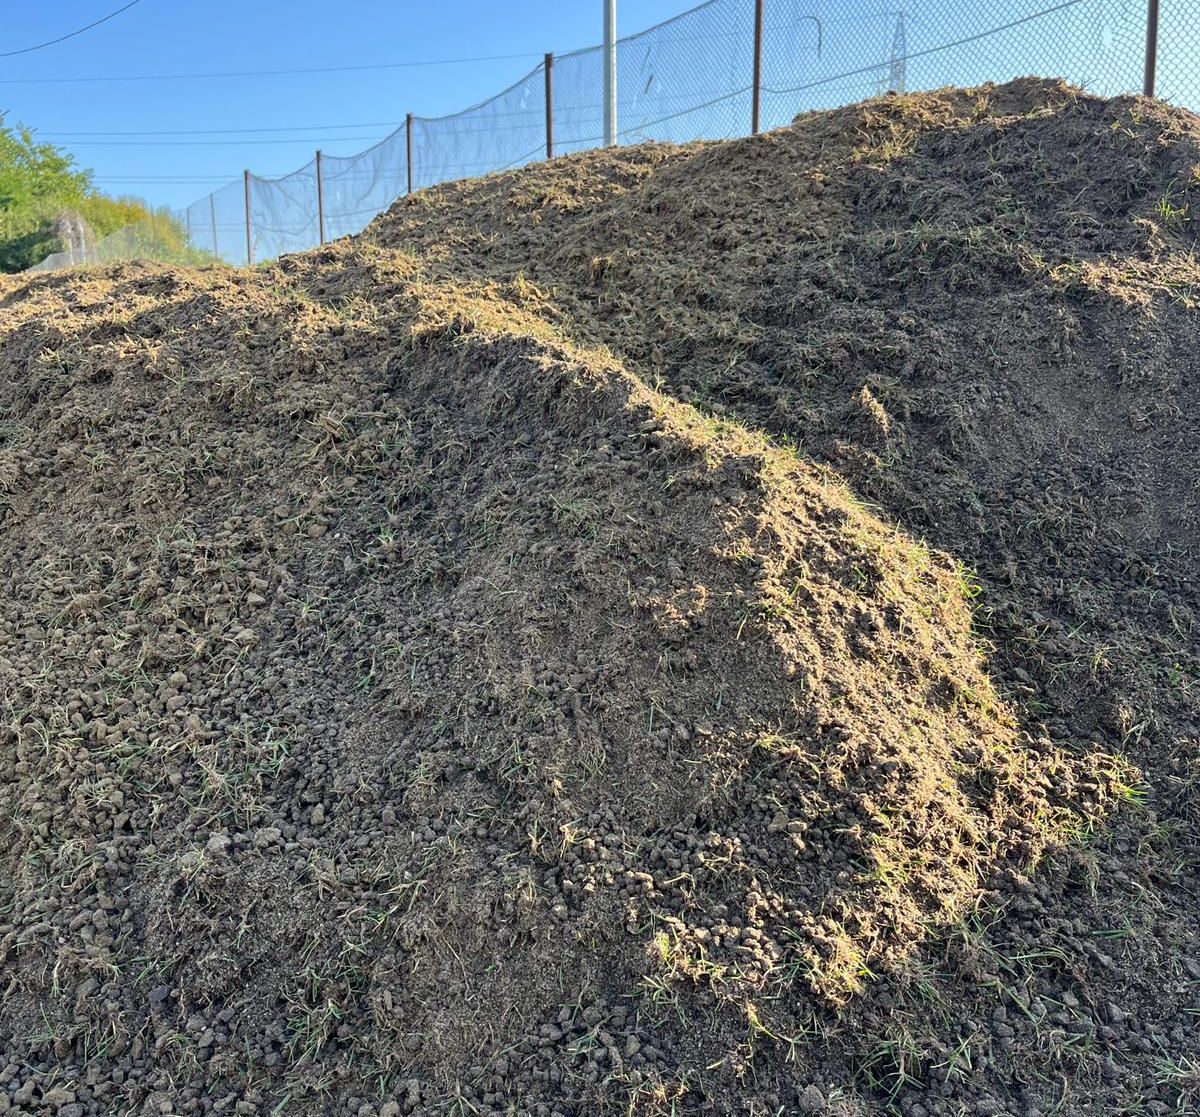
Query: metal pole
[(249, 247), (1151, 47), (320, 202), (757, 94), (610, 73), (212, 212), (408, 141), (549, 68)]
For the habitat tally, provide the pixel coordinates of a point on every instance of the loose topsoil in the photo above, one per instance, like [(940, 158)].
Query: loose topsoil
[(676, 630)]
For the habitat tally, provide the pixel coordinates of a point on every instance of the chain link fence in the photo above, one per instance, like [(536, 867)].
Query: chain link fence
[(694, 77)]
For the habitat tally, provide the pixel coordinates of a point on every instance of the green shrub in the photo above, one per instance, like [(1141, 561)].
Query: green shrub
[(39, 182)]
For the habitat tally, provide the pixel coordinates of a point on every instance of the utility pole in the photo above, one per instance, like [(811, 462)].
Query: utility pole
[(898, 71), (610, 73)]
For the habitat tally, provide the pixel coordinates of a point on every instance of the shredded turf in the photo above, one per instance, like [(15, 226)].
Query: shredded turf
[(671, 630)]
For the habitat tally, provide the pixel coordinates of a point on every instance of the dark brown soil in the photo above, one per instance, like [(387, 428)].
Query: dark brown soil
[(676, 630)]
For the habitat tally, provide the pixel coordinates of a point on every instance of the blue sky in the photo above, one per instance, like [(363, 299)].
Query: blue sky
[(184, 136), (168, 37)]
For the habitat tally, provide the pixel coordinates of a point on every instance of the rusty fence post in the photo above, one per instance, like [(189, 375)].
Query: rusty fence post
[(549, 68), (1151, 48), (320, 202), (756, 99), (249, 246), (408, 143)]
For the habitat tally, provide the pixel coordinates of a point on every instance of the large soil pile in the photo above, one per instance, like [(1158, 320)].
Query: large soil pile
[(677, 630)]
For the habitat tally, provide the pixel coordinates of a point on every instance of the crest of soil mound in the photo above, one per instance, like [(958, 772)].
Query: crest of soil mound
[(679, 630)]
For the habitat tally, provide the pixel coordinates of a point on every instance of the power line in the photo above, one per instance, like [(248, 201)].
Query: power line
[(69, 34), (535, 118), (165, 176), (211, 180), (267, 73), (331, 69), (224, 131), (216, 143)]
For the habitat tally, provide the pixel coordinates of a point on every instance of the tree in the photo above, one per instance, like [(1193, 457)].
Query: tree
[(38, 183)]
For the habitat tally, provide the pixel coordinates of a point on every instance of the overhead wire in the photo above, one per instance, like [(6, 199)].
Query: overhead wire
[(69, 34), (225, 131), (267, 73)]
